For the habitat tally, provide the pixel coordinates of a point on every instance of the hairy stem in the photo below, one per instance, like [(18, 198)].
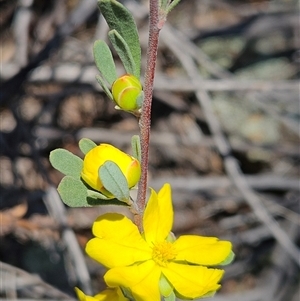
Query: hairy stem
[(145, 119)]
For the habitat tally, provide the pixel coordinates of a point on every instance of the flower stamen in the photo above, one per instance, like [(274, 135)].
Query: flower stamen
[(163, 252)]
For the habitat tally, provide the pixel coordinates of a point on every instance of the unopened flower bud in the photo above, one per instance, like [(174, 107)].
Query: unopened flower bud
[(126, 90), (97, 156)]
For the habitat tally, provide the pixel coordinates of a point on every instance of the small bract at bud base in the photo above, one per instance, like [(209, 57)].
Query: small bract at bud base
[(125, 91)]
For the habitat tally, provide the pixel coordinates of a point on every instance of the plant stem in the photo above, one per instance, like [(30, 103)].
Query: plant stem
[(155, 24)]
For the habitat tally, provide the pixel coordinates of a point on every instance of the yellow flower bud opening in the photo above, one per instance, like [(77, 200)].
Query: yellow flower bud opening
[(125, 91), (97, 156)]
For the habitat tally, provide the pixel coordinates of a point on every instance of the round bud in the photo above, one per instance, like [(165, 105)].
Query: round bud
[(125, 91), (97, 156)]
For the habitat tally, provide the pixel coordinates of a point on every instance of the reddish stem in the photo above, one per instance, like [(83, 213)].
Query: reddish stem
[(145, 119)]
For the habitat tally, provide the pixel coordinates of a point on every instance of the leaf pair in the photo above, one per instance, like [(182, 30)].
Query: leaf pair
[(75, 193), (124, 37)]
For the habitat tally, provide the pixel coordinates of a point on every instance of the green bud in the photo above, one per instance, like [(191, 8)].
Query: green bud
[(126, 91)]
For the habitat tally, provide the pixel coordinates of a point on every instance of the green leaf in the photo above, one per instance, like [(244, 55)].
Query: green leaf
[(123, 51), (136, 147), (114, 180), (66, 162), (73, 192), (229, 259), (103, 85), (119, 18), (104, 61), (86, 145)]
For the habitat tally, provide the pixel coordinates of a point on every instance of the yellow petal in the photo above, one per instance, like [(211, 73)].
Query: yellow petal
[(118, 241), (142, 279), (81, 295), (97, 156), (192, 281), (202, 250), (109, 294), (158, 216)]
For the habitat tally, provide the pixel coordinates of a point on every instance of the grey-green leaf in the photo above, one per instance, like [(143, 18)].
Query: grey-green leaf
[(103, 85), (73, 192), (119, 18), (104, 61), (123, 51), (66, 162), (114, 180), (86, 145)]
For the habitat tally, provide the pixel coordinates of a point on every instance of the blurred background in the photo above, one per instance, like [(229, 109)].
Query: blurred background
[(225, 134)]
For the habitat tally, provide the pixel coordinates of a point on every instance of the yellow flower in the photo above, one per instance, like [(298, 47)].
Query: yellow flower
[(109, 294), (138, 262), (97, 156), (125, 91)]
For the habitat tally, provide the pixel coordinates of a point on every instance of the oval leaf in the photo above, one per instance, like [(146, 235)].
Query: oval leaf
[(106, 90), (73, 192), (119, 18), (114, 180), (66, 162), (104, 61), (123, 51), (86, 145)]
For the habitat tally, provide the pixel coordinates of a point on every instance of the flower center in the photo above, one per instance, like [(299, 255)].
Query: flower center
[(163, 252)]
